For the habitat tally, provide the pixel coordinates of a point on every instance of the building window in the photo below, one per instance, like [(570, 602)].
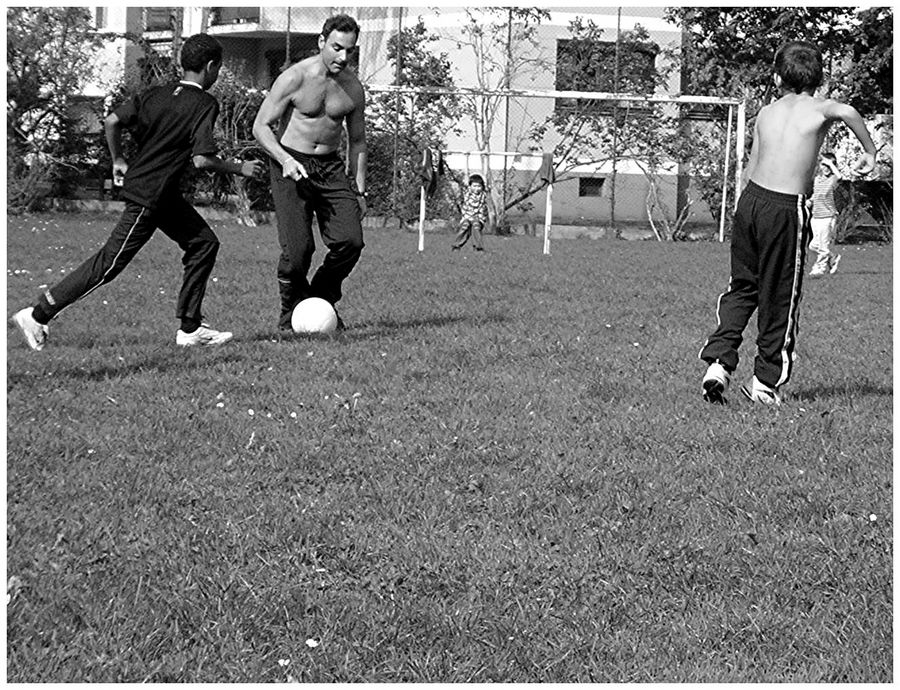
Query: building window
[(234, 15), (590, 186), (158, 18), (587, 65), (99, 17)]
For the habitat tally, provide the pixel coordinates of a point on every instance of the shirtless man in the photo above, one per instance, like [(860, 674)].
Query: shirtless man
[(772, 226), (318, 97)]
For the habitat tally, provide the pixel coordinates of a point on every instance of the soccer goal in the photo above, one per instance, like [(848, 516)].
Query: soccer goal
[(483, 162), (669, 165)]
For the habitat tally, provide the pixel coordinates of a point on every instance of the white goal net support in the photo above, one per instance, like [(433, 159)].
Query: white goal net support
[(669, 165)]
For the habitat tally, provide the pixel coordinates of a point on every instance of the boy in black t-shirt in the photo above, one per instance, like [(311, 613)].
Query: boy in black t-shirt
[(173, 125)]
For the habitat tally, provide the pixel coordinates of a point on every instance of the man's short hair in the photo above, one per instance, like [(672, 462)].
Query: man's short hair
[(476, 178), (799, 64), (198, 50), (340, 22)]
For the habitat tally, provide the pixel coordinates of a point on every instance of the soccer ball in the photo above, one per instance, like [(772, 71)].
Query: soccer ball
[(314, 315)]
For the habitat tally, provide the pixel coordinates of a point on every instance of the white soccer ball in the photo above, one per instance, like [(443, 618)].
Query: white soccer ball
[(314, 315)]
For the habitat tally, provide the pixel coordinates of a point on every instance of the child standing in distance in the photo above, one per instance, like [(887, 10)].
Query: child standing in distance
[(173, 126), (771, 227), (474, 214), (824, 217)]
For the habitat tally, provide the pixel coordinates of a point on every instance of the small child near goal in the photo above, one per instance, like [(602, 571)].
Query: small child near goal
[(474, 214), (772, 227)]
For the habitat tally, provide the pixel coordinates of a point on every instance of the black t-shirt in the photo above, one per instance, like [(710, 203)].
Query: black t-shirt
[(171, 123)]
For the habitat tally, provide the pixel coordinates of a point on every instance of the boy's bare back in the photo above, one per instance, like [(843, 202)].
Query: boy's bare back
[(788, 135)]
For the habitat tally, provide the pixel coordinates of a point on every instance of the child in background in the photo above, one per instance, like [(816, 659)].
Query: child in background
[(824, 217), (474, 214)]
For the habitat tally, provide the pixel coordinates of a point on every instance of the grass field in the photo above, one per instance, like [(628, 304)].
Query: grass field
[(503, 471)]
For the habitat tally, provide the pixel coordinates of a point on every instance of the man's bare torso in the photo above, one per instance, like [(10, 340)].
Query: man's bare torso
[(318, 107), (789, 133)]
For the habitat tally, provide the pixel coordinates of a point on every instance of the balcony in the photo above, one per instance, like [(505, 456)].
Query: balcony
[(224, 16), (259, 22), (158, 18)]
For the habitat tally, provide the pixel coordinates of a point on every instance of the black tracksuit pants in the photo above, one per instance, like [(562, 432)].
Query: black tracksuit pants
[(768, 251), (179, 221), (327, 194)]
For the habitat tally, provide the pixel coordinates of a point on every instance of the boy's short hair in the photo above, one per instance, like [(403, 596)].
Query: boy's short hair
[(476, 178), (799, 64), (340, 22), (198, 50)]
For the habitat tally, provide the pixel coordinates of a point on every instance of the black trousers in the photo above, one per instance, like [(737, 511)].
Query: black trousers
[(327, 194), (179, 221), (768, 252)]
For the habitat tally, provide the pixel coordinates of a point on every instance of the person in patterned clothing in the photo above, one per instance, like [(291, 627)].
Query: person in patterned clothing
[(474, 214), (824, 216)]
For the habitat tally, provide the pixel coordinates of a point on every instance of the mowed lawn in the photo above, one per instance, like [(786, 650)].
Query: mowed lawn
[(502, 471)]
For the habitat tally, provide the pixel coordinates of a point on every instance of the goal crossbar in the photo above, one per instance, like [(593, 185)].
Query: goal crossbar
[(583, 95)]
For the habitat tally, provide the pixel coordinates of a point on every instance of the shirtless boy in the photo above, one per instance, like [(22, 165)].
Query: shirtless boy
[(317, 97), (771, 227)]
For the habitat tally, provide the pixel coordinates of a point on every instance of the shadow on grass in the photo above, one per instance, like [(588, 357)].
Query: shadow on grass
[(378, 329), (842, 390), (168, 361), (175, 360)]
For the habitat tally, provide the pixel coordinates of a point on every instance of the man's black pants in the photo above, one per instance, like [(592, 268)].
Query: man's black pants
[(327, 194)]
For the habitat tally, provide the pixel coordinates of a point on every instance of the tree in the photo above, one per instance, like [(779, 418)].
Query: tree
[(412, 122), (50, 57), (238, 105), (731, 49), (866, 79), (503, 42)]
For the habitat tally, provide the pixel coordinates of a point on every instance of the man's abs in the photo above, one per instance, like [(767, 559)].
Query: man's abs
[(316, 136)]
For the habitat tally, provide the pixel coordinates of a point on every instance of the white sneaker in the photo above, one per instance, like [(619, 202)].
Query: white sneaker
[(35, 333), (820, 268), (715, 383), (759, 392), (202, 336), (833, 263)]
